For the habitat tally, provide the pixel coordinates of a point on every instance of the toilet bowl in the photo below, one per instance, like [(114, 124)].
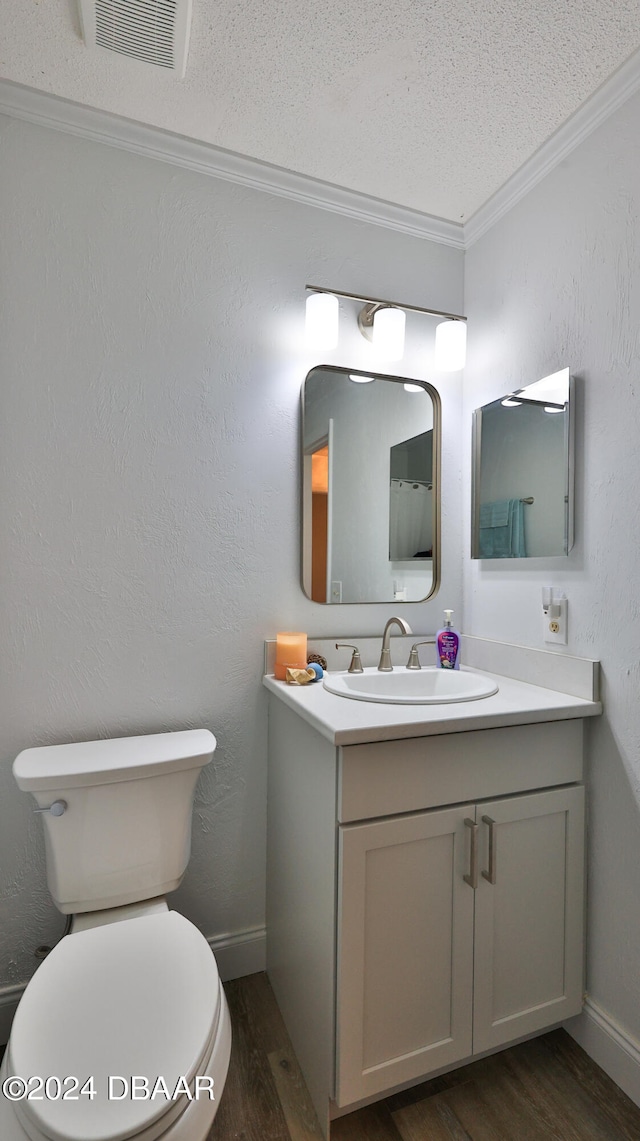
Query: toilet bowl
[(125, 1021)]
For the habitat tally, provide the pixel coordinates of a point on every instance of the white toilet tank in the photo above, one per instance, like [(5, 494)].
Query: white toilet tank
[(124, 832)]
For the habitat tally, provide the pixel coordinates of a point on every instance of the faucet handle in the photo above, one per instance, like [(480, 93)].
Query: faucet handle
[(356, 661), (414, 659)]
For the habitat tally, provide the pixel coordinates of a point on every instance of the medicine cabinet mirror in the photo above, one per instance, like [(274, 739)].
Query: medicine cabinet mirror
[(523, 472), (370, 487)]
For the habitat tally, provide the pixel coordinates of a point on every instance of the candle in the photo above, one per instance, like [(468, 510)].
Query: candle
[(291, 650)]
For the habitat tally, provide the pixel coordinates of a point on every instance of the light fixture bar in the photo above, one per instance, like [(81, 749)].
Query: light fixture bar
[(383, 302)]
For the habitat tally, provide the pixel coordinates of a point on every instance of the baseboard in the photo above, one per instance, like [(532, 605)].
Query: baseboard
[(609, 1045), (237, 954), (240, 953)]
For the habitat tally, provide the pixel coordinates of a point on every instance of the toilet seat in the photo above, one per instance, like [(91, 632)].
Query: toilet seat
[(138, 997)]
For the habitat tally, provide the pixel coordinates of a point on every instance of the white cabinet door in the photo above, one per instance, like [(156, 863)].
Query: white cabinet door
[(405, 950), (529, 922)]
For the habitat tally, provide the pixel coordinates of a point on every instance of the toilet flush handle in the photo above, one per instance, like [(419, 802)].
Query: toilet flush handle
[(58, 808)]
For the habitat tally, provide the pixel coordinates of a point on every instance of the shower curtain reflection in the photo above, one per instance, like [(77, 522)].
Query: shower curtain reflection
[(410, 520)]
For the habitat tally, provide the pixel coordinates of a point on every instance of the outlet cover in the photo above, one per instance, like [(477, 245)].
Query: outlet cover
[(554, 623)]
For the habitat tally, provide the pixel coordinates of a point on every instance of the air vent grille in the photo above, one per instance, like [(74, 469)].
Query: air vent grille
[(154, 31), (139, 28)]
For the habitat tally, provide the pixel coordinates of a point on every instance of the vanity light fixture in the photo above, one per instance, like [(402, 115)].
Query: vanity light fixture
[(383, 325), (321, 321), (361, 379), (451, 346), (388, 333), (413, 388), (382, 322)]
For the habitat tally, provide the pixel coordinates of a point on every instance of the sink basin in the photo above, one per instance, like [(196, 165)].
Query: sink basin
[(411, 687)]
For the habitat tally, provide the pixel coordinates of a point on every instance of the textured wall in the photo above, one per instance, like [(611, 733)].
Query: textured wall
[(556, 283), (151, 327)]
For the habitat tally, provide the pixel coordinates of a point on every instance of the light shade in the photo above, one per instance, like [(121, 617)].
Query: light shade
[(451, 346), (321, 321), (388, 333)]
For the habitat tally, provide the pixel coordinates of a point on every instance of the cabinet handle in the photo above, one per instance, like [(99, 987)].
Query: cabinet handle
[(491, 874), (472, 878)]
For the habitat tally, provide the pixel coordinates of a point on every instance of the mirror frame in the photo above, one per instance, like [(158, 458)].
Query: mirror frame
[(476, 464), (305, 546)]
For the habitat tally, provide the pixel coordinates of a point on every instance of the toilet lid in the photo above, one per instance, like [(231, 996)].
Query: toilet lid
[(135, 998)]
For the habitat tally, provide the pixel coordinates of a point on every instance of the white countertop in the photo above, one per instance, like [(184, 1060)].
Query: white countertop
[(346, 722)]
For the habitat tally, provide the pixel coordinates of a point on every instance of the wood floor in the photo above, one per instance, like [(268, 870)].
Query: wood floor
[(543, 1090)]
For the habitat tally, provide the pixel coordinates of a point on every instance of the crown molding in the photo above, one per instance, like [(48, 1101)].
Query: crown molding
[(48, 110), (59, 114), (615, 91)]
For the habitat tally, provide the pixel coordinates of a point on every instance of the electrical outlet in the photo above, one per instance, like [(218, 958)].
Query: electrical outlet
[(554, 622), (336, 590)]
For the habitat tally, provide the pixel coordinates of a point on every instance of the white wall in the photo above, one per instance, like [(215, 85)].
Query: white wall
[(151, 327), (557, 282)]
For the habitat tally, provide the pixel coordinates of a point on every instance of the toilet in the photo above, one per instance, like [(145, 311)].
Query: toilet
[(123, 1032)]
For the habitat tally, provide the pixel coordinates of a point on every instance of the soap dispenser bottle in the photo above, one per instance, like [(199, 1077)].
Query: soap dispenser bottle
[(448, 645)]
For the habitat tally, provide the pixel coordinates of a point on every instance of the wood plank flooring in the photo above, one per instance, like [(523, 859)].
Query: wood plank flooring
[(258, 1103), (543, 1090)]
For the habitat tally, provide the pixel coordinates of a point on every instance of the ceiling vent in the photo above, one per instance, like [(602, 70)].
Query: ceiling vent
[(154, 31)]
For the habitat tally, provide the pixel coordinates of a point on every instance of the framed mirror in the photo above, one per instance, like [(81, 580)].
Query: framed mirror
[(523, 472), (370, 487)]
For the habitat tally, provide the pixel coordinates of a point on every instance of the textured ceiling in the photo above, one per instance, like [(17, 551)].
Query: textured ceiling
[(431, 104)]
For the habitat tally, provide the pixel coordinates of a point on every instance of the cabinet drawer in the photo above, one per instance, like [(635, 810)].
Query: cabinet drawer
[(390, 777)]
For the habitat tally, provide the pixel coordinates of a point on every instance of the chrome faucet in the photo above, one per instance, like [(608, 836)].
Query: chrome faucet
[(385, 656)]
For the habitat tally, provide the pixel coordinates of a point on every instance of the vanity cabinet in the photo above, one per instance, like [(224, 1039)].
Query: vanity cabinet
[(424, 898), (459, 930)]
